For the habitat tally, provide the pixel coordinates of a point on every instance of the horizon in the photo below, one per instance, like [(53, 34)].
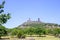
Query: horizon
[(47, 10)]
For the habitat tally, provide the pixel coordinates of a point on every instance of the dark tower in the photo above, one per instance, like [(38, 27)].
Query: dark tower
[(29, 20), (38, 19)]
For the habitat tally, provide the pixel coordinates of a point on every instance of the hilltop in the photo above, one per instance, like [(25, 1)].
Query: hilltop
[(38, 23)]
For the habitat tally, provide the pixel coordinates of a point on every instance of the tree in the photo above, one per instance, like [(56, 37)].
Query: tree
[(14, 32), (3, 18), (20, 34), (56, 31), (2, 31)]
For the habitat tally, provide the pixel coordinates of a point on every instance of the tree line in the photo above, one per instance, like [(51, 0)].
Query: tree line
[(22, 32)]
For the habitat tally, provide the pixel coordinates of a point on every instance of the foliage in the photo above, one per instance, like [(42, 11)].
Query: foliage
[(20, 34), (3, 19), (56, 31), (2, 31), (35, 31), (14, 32)]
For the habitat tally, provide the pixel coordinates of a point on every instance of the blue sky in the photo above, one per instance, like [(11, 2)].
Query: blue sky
[(21, 10)]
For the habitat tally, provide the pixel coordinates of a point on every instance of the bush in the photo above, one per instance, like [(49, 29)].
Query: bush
[(3, 31), (14, 32), (20, 34), (56, 32)]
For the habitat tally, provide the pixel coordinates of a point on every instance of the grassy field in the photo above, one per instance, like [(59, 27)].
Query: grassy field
[(38, 38)]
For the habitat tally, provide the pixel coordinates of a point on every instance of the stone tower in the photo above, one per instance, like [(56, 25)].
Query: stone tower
[(38, 19), (29, 20)]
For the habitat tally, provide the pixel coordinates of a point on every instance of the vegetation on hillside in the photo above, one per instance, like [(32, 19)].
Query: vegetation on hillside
[(19, 32)]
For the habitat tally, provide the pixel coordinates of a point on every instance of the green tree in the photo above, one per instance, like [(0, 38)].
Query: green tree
[(3, 31), (3, 18), (56, 31), (20, 34), (14, 32)]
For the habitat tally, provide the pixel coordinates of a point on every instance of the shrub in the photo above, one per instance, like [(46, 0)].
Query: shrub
[(20, 34), (14, 32), (3, 31)]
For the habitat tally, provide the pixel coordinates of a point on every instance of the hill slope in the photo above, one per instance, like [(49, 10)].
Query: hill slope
[(38, 23)]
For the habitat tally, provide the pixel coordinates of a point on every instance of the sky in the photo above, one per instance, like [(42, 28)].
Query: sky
[(21, 10)]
